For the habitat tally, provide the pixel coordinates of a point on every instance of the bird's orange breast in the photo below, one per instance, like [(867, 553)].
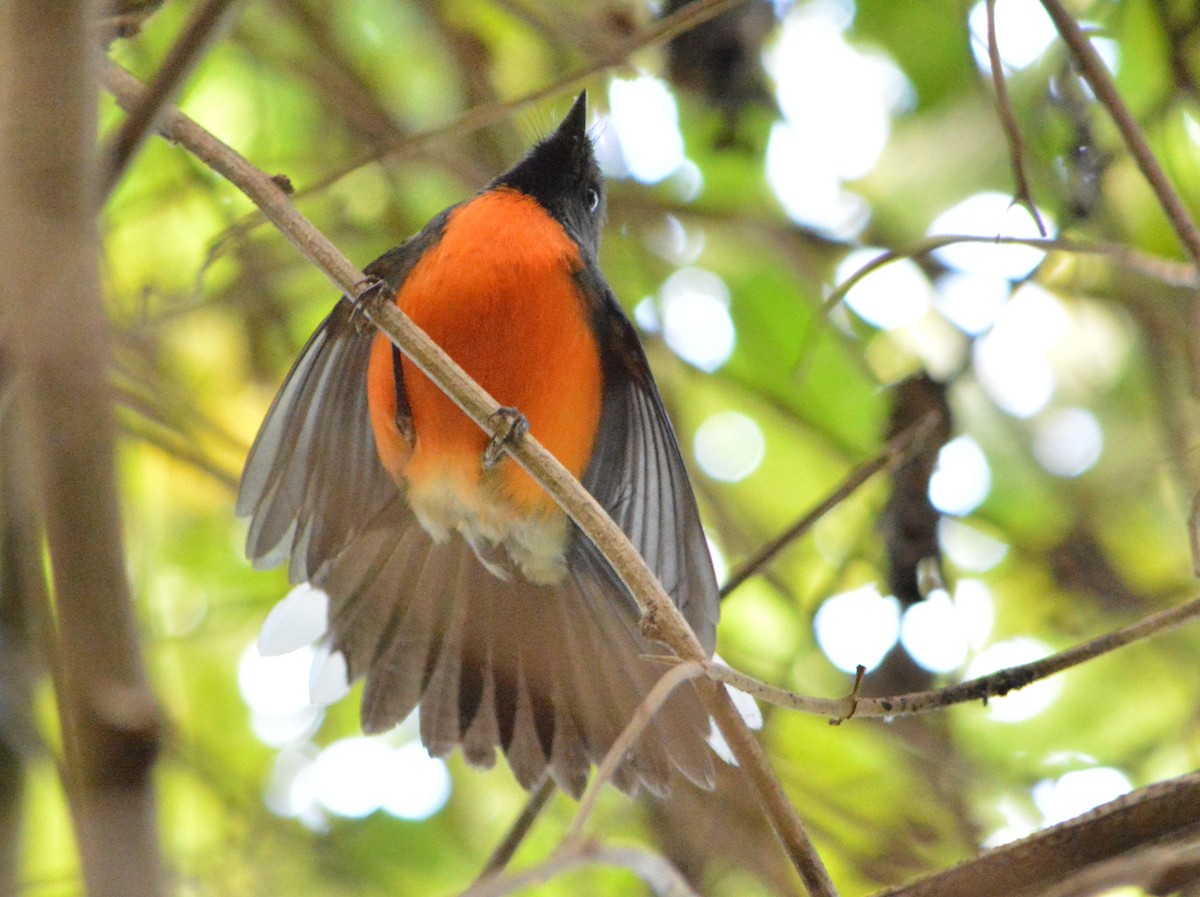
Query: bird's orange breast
[(498, 294)]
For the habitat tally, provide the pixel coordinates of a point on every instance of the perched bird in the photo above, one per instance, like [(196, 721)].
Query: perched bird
[(453, 581)]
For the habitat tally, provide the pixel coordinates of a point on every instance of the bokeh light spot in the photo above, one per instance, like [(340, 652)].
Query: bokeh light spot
[(971, 302), (695, 317), (857, 627), (962, 478), (989, 214), (417, 785), (893, 295), (646, 122), (970, 548), (729, 446), (933, 633), (1077, 792), (1023, 32), (1068, 441)]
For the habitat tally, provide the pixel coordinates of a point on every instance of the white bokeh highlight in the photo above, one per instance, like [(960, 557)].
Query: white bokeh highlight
[(729, 446), (990, 215), (856, 627), (1023, 33), (934, 633), (962, 478), (695, 318), (1078, 791), (645, 119), (1068, 442), (893, 295), (846, 95), (1025, 703)]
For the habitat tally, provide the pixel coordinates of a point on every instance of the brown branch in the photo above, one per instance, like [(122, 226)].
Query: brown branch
[(1008, 121), (981, 689), (197, 35), (57, 339), (517, 832), (481, 117), (1164, 270), (659, 613), (899, 448), (1167, 813), (1096, 74), (645, 711), (656, 871)]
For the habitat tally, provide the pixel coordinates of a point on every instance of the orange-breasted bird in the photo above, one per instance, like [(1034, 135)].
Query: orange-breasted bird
[(453, 581)]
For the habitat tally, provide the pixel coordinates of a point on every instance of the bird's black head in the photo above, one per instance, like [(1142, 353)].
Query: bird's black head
[(561, 173)]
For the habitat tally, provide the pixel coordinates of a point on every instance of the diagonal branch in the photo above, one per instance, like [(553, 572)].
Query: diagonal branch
[(1008, 120), (660, 616), (898, 449), (1096, 74), (1167, 814), (197, 35), (662, 689)]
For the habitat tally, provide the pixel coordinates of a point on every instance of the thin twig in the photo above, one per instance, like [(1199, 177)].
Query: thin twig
[(521, 827), (1159, 269), (1008, 121), (1092, 67), (641, 717), (199, 33), (660, 616), (981, 689), (898, 449), (656, 871), (480, 117)]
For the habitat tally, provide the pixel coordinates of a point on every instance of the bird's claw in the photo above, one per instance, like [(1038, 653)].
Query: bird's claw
[(365, 290), (508, 427)]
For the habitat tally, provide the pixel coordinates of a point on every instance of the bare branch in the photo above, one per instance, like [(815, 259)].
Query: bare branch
[(1094, 71), (656, 871), (516, 833), (1008, 120), (896, 451), (56, 337), (660, 616), (980, 689), (198, 34), (650, 704), (1166, 814)]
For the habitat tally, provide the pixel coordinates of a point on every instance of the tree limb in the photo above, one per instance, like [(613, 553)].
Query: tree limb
[(1165, 813), (55, 333), (1092, 67)]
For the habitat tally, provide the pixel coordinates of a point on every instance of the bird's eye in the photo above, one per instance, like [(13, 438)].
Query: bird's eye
[(592, 197)]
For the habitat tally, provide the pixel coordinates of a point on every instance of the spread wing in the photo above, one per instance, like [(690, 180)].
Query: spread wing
[(637, 472), (313, 478)]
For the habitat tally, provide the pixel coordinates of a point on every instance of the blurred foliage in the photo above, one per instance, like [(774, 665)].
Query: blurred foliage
[(209, 307)]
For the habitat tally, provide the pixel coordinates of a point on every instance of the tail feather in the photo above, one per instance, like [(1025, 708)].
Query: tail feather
[(551, 674)]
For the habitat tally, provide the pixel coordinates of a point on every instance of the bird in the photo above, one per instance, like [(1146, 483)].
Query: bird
[(449, 579)]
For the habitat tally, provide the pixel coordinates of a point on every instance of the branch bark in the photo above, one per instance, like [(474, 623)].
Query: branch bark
[(659, 613), (1166, 813), (992, 685), (1092, 67), (53, 331)]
